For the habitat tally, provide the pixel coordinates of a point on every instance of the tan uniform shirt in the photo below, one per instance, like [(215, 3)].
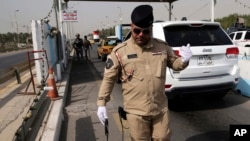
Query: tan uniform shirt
[(144, 93)]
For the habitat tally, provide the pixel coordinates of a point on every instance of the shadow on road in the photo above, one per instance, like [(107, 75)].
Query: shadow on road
[(206, 103), (211, 136)]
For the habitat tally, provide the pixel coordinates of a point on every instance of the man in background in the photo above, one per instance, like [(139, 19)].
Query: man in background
[(87, 45)]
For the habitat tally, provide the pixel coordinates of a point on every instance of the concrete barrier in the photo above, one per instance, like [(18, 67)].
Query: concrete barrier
[(243, 86), (52, 128)]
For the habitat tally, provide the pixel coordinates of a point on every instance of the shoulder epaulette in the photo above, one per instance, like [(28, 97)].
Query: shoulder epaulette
[(160, 41), (120, 46)]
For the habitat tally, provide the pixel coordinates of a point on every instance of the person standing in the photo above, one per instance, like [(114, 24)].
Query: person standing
[(78, 46), (87, 45), (142, 62)]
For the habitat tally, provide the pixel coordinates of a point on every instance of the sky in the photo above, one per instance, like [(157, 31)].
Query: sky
[(99, 15)]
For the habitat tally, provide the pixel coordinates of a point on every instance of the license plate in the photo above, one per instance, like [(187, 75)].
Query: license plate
[(205, 60)]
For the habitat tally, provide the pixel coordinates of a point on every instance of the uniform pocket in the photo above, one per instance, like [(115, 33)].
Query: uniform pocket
[(159, 69), (133, 67), (161, 66)]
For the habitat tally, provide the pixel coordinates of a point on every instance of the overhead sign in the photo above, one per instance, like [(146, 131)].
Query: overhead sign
[(70, 15)]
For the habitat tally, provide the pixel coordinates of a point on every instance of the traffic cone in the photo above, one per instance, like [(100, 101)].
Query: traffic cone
[(52, 89)]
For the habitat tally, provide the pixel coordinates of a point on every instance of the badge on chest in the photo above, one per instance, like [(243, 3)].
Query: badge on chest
[(130, 56)]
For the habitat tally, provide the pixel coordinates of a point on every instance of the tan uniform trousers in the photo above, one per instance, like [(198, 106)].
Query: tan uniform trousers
[(144, 128)]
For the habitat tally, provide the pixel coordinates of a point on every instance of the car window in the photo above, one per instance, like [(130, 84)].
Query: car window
[(127, 36), (231, 36), (247, 37), (179, 35), (238, 36)]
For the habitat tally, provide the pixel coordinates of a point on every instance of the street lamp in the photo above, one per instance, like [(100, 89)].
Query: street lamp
[(27, 27), (107, 18), (120, 14), (17, 26), (108, 26)]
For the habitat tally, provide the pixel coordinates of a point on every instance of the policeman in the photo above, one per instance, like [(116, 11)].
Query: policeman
[(78, 46), (142, 62)]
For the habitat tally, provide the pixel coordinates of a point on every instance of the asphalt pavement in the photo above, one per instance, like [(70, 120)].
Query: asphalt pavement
[(80, 120)]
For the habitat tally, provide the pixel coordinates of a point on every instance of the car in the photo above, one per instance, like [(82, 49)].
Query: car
[(242, 40), (91, 41), (105, 46), (213, 69)]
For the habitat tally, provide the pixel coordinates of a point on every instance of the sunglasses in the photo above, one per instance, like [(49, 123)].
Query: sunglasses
[(138, 31)]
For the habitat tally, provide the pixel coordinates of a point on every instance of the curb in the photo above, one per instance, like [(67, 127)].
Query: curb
[(52, 127)]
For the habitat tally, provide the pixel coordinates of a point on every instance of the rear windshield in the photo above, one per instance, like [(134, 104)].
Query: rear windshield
[(179, 35), (111, 42)]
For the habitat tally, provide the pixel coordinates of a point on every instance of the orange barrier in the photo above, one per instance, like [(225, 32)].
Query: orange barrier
[(52, 89)]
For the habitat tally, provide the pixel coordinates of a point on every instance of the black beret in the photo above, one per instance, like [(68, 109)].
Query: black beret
[(142, 16)]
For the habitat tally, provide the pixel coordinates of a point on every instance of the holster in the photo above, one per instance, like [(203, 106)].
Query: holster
[(122, 113)]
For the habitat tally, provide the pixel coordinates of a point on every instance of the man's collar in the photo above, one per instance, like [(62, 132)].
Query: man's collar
[(147, 46)]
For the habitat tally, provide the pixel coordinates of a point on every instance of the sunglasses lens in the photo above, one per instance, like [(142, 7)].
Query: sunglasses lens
[(138, 31)]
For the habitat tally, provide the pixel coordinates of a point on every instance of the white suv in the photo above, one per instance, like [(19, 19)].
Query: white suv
[(213, 68), (242, 40)]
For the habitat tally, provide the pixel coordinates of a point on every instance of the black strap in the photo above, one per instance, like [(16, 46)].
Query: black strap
[(122, 115)]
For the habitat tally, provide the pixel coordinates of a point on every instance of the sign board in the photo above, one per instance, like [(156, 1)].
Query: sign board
[(70, 15)]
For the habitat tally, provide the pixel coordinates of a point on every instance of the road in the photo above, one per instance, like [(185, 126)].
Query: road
[(192, 119), (11, 58)]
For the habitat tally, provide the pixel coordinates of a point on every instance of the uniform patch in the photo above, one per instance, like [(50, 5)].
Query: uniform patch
[(132, 56), (157, 53), (109, 63)]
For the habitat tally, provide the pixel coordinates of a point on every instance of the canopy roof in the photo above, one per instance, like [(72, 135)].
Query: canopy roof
[(170, 1)]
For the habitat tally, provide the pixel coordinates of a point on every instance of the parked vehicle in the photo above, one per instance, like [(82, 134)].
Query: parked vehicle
[(242, 40), (213, 68), (105, 47)]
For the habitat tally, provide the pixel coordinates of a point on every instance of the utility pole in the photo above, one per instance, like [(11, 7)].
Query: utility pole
[(212, 10), (120, 15), (17, 26)]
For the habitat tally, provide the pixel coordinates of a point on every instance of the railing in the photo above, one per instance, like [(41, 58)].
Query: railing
[(14, 71), (38, 108)]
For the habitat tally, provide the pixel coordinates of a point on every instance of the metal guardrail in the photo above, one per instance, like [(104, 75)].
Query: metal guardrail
[(14, 71)]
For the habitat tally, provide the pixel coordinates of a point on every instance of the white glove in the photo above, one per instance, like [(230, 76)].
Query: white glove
[(102, 114), (186, 53)]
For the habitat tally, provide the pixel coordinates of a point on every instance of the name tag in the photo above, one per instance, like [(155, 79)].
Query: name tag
[(130, 56)]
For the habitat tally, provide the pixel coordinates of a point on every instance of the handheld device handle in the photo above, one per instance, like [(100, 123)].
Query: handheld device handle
[(106, 127)]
